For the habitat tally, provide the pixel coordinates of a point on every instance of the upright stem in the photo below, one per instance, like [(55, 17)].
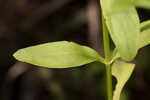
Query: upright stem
[(107, 58)]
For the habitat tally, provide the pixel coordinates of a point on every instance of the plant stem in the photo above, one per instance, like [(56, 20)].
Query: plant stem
[(107, 59), (109, 82)]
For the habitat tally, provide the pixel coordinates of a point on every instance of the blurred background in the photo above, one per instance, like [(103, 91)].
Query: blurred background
[(29, 22)]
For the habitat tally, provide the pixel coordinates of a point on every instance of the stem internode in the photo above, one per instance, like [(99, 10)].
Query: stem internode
[(107, 58)]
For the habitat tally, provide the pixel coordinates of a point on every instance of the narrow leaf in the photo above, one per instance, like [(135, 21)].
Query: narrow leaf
[(145, 25), (145, 34), (61, 54), (123, 26), (114, 6), (142, 3), (120, 5), (122, 72), (144, 38)]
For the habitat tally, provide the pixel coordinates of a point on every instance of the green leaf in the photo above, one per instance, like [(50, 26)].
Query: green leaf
[(142, 3), (115, 55), (61, 54), (106, 6), (145, 34), (122, 72), (120, 5), (144, 38), (123, 27), (115, 6), (145, 25)]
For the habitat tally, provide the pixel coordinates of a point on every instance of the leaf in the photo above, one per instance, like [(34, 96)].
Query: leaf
[(123, 27), (61, 54), (120, 5), (145, 25), (144, 38), (115, 55), (122, 72), (142, 3), (145, 34), (115, 6), (106, 6)]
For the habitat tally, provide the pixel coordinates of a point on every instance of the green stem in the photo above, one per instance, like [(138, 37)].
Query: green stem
[(109, 82), (107, 59)]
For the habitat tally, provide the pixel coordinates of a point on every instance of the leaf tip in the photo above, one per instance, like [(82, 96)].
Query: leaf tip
[(16, 55), (22, 55)]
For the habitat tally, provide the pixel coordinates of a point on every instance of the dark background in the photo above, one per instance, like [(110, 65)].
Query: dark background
[(28, 22)]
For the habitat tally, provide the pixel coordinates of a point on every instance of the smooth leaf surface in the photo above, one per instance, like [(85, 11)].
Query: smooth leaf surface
[(144, 38), (106, 6), (120, 5), (115, 6), (142, 3), (122, 72), (61, 54), (145, 25), (123, 27), (145, 34), (115, 55)]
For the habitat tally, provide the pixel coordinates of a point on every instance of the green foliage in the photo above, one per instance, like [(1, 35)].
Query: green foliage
[(115, 6), (120, 5), (128, 35), (144, 38), (115, 55), (58, 55), (142, 3), (123, 26), (121, 71), (145, 34), (145, 25)]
